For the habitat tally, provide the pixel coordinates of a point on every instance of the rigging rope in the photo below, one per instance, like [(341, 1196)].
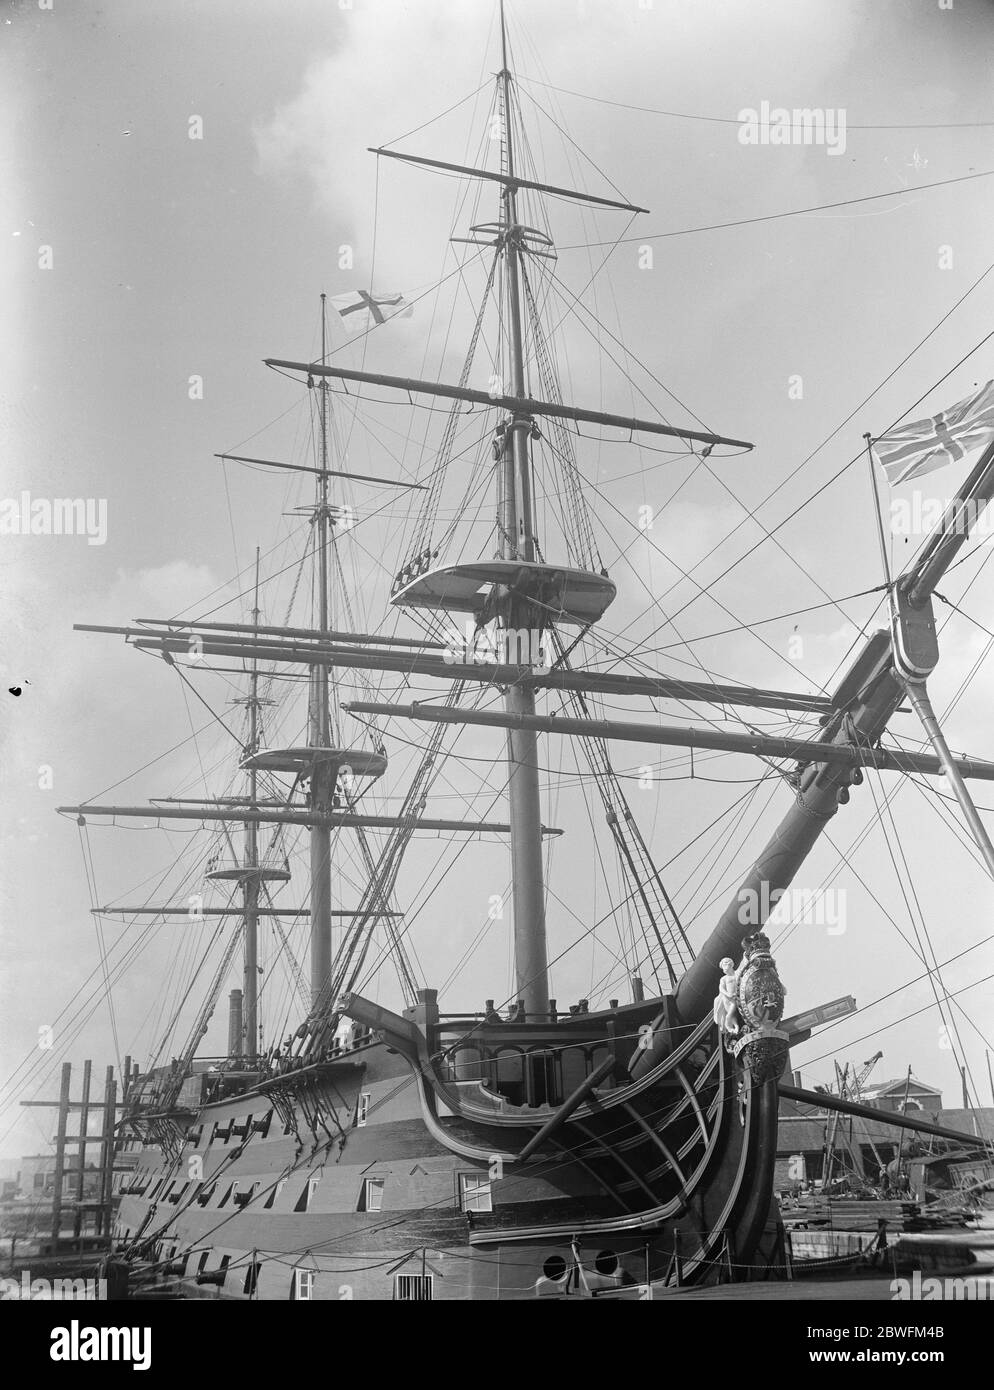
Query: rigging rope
[(421, 542)]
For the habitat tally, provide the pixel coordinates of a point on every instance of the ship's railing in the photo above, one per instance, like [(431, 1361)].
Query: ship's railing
[(269, 865), (213, 1078), (526, 1065), (217, 1078), (284, 1061)]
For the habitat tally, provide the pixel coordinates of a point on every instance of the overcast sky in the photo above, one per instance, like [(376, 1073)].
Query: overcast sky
[(134, 258)]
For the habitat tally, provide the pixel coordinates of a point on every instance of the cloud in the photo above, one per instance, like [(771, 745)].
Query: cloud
[(322, 133), (171, 588)]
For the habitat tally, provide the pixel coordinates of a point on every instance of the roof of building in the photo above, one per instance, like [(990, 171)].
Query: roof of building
[(881, 1088), (800, 1136), (969, 1121), (804, 1129)]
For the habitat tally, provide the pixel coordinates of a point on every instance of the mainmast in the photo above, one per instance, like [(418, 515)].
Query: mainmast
[(520, 589), (323, 773), (518, 543)]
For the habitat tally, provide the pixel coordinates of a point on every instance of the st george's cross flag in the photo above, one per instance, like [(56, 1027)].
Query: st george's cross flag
[(912, 450), (362, 310)]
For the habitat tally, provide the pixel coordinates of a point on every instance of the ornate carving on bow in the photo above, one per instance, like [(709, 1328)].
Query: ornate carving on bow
[(759, 999)]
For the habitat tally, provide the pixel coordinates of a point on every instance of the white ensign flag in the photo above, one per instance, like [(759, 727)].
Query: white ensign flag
[(362, 310)]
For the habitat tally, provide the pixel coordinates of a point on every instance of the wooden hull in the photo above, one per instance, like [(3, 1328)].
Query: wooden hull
[(268, 1193)]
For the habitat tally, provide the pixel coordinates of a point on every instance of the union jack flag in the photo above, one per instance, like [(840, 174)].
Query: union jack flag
[(911, 450)]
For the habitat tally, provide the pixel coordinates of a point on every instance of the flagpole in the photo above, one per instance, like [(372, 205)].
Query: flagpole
[(880, 522)]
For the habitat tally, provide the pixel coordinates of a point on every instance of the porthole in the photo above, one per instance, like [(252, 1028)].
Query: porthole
[(554, 1267), (606, 1263)]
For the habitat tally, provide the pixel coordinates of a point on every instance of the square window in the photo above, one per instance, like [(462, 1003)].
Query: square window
[(274, 1192), (304, 1200), (413, 1288), (474, 1192), (371, 1196)]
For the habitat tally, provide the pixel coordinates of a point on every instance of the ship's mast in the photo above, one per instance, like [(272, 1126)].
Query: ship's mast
[(518, 542), (323, 774), (250, 884)]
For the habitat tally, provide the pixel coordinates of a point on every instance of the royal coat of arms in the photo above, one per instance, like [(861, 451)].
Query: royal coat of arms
[(750, 1005)]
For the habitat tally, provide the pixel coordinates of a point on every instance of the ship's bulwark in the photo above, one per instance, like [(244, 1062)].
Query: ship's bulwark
[(269, 1196)]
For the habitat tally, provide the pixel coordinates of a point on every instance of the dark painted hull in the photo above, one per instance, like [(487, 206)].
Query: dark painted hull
[(664, 1180)]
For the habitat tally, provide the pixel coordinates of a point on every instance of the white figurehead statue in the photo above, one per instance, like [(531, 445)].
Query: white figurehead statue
[(726, 1004)]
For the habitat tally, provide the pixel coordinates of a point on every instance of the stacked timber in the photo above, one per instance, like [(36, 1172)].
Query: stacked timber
[(851, 1214), (856, 1214), (807, 1210), (939, 1218)]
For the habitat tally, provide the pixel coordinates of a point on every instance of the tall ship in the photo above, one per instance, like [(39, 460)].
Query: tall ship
[(372, 1134)]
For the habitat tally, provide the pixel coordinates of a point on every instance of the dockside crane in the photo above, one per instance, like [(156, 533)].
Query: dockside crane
[(849, 1087)]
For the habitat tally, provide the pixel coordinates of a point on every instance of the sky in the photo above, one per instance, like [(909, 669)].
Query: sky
[(181, 183)]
